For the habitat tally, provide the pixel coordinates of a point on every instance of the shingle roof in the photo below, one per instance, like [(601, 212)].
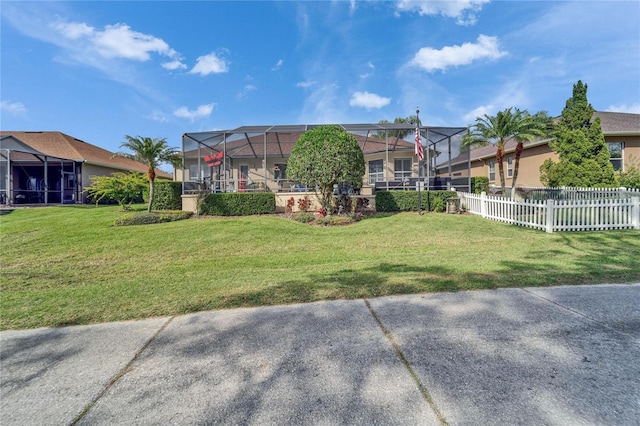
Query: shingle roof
[(60, 145), (616, 122), (612, 123)]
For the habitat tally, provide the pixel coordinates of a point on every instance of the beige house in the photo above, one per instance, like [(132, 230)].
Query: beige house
[(54, 168), (621, 133)]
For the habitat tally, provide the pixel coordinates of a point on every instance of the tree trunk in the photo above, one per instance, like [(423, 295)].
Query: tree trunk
[(499, 159), (516, 167), (152, 177)]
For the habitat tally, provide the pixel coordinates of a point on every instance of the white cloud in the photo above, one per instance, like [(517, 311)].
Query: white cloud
[(174, 65), (462, 10), (73, 30), (158, 116), (277, 66), (202, 111), (119, 41), (209, 64), (631, 109), (323, 104), (431, 59), (370, 73), (12, 107), (246, 90), (478, 112), (305, 84), (115, 41), (368, 100)]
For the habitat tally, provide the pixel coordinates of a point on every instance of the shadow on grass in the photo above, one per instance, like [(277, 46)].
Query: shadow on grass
[(613, 261)]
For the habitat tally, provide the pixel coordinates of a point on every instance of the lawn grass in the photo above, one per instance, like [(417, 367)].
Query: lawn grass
[(69, 265)]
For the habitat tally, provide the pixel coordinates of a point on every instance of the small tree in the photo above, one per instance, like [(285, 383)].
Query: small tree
[(579, 143), (323, 157), (151, 152), (122, 188)]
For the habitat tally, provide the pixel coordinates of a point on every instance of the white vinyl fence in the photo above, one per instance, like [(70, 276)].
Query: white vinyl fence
[(558, 215)]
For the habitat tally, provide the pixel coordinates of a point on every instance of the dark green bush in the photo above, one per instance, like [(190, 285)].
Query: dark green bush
[(479, 184), (239, 204), (145, 218), (168, 195), (404, 201)]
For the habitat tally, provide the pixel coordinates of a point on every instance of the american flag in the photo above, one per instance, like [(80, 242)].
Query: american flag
[(418, 150)]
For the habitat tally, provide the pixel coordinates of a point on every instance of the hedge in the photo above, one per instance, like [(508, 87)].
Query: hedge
[(404, 201), (479, 184), (239, 204), (167, 195), (151, 218)]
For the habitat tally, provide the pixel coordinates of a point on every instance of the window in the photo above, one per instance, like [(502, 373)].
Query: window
[(492, 170), (402, 168), (615, 154), (510, 166), (205, 172), (376, 171), (279, 171)]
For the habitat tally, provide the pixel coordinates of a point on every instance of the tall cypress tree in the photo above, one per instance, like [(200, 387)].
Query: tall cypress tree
[(579, 143)]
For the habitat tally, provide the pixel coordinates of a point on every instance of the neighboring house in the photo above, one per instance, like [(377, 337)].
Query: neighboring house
[(54, 168), (621, 133), (255, 157)]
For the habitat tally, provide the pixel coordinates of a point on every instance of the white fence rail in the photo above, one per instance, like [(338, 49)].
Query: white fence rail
[(557, 215), (566, 193)]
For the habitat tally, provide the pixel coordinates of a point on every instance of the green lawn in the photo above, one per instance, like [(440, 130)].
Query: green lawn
[(69, 265)]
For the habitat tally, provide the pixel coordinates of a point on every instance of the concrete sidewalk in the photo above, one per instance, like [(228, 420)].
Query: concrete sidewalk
[(561, 355)]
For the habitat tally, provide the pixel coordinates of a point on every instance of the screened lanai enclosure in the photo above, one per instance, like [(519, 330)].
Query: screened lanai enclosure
[(254, 158), (28, 176)]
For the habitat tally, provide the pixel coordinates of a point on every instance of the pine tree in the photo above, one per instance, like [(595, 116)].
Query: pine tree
[(579, 143)]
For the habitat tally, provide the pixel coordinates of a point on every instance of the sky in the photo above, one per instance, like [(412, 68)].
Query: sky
[(100, 70)]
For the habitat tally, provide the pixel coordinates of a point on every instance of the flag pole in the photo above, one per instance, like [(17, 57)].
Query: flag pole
[(418, 151)]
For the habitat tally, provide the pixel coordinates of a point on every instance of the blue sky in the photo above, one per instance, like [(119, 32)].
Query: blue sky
[(99, 70)]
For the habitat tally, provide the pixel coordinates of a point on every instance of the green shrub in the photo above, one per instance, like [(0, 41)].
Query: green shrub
[(332, 220), (119, 187), (479, 184), (145, 218), (239, 204), (304, 217), (438, 200), (630, 178), (168, 195), (405, 201), (438, 205)]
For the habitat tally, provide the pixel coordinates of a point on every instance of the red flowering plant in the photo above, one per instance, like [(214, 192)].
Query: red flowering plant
[(290, 203)]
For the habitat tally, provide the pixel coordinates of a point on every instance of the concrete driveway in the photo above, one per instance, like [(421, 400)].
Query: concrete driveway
[(553, 356)]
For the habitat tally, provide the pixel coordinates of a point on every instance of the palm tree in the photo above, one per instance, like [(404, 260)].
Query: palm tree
[(152, 153), (508, 124)]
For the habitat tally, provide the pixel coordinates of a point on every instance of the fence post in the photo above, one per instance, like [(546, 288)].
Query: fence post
[(635, 212), (483, 204), (550, 205)]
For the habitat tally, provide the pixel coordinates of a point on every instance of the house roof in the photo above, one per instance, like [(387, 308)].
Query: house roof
[(613, 123), (60, 145), (618, 122)]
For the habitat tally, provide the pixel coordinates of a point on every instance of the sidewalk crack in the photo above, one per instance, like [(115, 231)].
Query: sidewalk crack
[(396, 348), (120, 373)]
